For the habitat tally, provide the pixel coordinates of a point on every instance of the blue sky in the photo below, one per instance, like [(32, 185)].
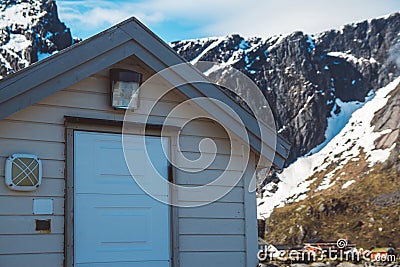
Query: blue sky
[(187, 19)]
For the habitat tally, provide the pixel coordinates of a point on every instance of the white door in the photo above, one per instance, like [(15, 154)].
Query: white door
[(115, 222)]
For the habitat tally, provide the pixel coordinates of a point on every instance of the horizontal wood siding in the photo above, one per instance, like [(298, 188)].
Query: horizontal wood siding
[(212, 234), (213, 259), (19, 244), (205, 243), (23, 205), (207, 226), (209, 235), (33, 260), (39, 129), (24, 225)]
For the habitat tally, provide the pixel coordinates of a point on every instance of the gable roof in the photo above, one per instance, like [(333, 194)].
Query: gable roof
[(73, 64)]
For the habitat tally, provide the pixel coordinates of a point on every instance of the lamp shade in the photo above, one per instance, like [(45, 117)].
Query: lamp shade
[(125, 88)]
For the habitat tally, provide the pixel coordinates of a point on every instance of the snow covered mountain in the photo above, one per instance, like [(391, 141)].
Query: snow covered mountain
[(356, 141), (336, 97), (303, 75), (29, 31)]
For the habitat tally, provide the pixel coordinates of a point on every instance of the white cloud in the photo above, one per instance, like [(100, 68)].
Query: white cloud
[(93, 14), (254, 17), (211, 17)]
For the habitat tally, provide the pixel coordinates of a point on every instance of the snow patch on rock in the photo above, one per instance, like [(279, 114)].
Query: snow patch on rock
[(357, 135)]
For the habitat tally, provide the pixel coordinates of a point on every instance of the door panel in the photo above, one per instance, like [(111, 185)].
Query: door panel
[(115, 222)]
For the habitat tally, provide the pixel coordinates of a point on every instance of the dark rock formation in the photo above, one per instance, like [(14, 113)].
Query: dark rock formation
[(302, 75), (30, 29)]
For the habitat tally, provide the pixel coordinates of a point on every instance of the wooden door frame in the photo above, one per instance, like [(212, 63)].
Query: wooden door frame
[(73, 124)]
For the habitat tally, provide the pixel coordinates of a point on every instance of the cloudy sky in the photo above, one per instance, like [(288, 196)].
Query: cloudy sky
[(187, 19)]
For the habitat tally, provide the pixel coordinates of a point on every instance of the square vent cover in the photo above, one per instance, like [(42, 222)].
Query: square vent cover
[(23, 172)]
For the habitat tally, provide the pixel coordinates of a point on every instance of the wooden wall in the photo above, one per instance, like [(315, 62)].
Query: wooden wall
[(209, 235)]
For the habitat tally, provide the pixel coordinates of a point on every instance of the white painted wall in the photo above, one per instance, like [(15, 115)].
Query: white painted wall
[(211, 235)]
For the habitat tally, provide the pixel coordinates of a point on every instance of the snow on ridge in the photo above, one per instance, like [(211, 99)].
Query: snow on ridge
[(16, 19), (17, 42), (200, 40), (241, 51), (277, 40), (246, 46), (336, 122), (356, 135), (18, 14), (384, 17), (214, 44), (350, 58)]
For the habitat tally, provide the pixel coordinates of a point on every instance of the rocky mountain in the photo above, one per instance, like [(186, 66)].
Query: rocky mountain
[(29, 31), (335, 97), (303, 75), (348, 188)]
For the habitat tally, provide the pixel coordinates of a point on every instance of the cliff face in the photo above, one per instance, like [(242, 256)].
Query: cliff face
[(349, 188), (302, 75), (335, 97), (29, 30)]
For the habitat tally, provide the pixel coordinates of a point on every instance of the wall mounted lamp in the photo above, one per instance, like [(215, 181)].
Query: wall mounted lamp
[(125, 88)]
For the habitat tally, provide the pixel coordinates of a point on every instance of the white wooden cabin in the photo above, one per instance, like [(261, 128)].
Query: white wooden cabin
[(88, 211)]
